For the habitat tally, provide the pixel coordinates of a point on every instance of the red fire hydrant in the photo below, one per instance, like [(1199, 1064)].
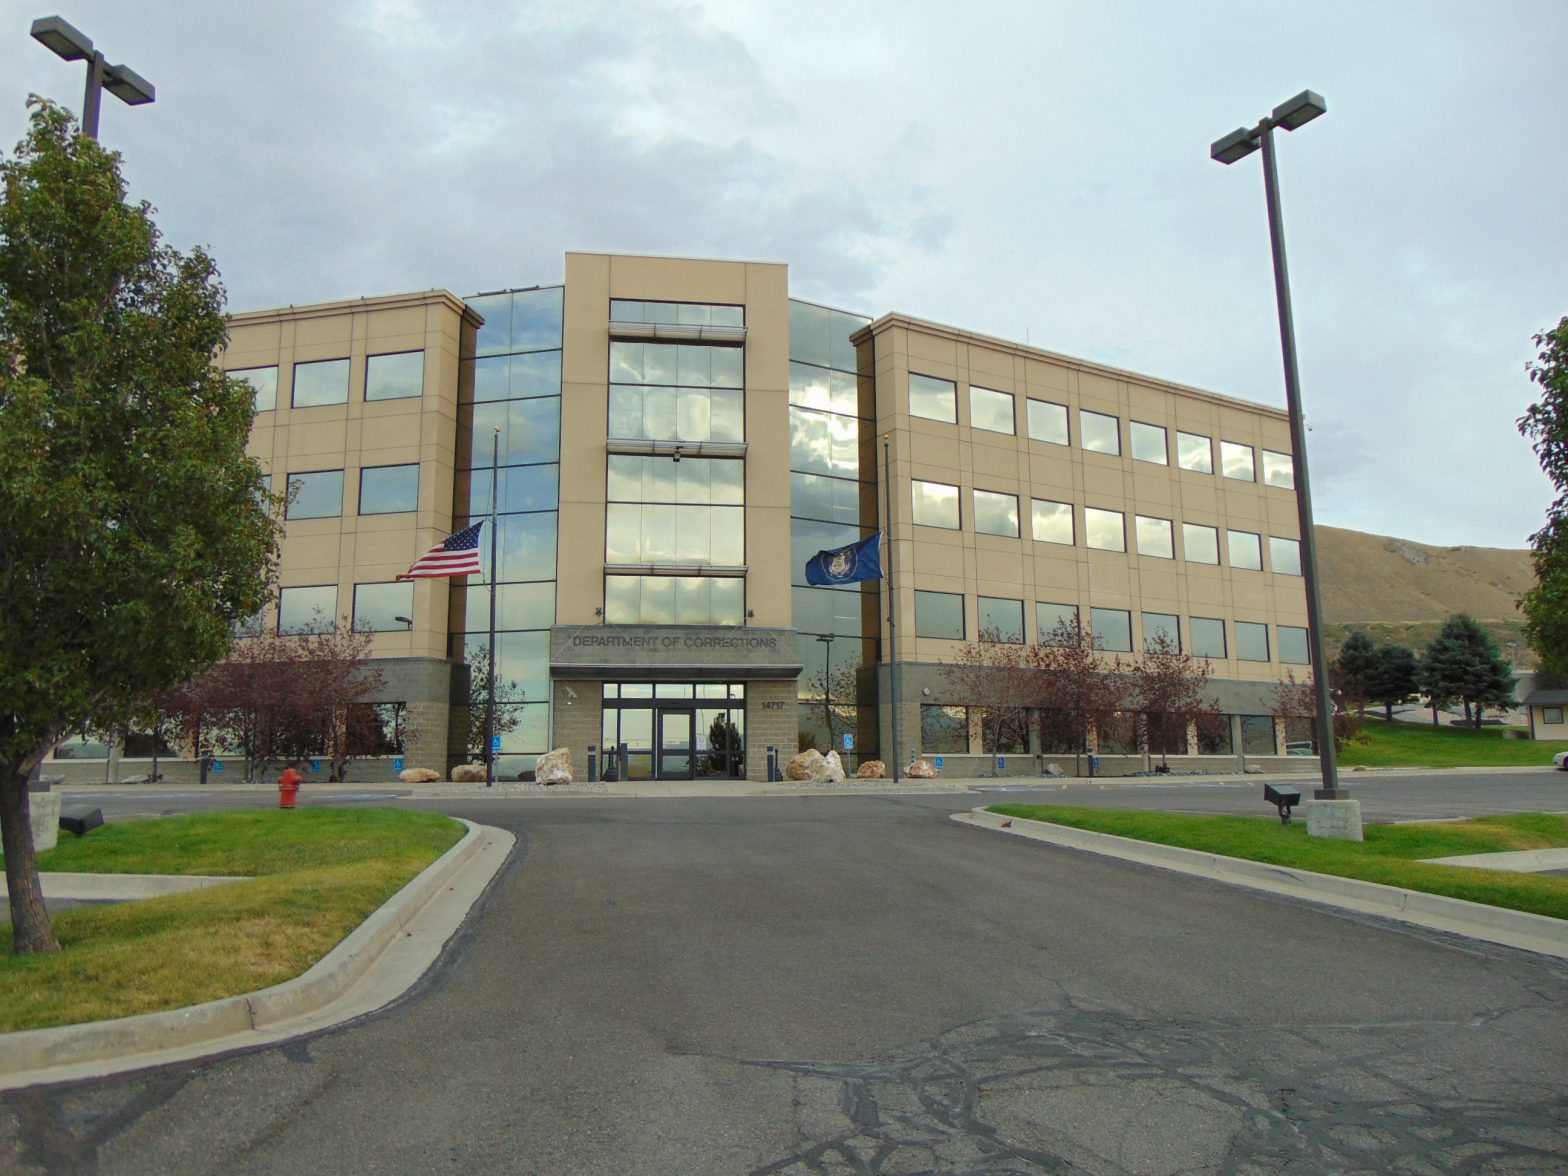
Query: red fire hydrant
[(288, 787)]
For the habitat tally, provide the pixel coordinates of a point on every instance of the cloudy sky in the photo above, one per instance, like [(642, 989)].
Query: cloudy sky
[(1037, 171)]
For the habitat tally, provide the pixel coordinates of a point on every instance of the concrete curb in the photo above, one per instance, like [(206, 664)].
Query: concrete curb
[(1537, 933), (160, 1033)]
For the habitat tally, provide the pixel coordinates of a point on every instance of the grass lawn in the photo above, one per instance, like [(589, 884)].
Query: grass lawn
[(1400, 745), (1389, 855), (313, 875)]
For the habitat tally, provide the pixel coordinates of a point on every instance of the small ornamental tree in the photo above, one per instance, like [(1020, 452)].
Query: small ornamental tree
[(838, 692), (1076, 690), (507, 691), (134, 530), (1170, 689), (995, 679), (1546, 425), (1296, 702)]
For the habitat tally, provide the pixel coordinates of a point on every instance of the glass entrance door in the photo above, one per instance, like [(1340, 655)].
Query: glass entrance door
[(675, 745)]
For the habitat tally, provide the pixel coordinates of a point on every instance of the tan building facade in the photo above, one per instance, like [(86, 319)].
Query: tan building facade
[(671, 440)]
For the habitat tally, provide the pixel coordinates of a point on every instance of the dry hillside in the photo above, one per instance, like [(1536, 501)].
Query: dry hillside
[(1396, 590)]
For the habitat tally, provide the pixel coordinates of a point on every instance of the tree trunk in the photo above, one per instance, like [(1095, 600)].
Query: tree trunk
[(1434, 714), (1388, 711), (29, 920)]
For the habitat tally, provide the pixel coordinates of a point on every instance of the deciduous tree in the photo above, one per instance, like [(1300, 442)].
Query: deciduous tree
[(996, 679), (134, 530), (1170, 689), (1545, 423), (1076, 689)]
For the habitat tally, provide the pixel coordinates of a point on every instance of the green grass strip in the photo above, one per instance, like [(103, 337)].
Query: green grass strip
[(317, 874), (1389, 855), (1400, 745)]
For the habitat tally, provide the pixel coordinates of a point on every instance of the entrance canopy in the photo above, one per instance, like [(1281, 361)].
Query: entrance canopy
[(663, 652)]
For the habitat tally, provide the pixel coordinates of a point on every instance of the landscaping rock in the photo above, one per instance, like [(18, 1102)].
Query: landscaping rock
[(1054, 771), (804, 765), (872, 770), (835, 768), (468, 774), (418, 776), (921, 769), (1252, 770), (554, 767)]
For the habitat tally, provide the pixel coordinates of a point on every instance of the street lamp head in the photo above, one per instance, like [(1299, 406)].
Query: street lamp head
[(1239, 144), (1299, 111), (128, 86), (61, 38)]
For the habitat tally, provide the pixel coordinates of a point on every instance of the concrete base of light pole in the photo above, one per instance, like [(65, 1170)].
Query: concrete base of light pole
[(1336, 819)]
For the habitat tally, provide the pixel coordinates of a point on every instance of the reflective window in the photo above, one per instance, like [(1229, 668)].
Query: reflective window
[(1208, 636), (816, 497), (1236, 461), (1279, 470), (1051, 522), (252, 626), (686, 314), (1252, 641), (517, 606), (939, 614), (1053, 623), (1195, 453), (308, 610), (1104, 529), (1099, 433), (670, 533), (395, 377), (1257, 735), (522, 320), (322, 382), (1112, 629), (1200, 544), (677, 414), (996, 514), (824, 442), (1148, 443), (525, 548), (388, 489), (1048, 422), (1293, 646), (376, 728), (1001, 620), (936, 505), (519, 488), (1155, 537), (1161, 632), (990, 409), (1246, 550), (377, 607), (264, 386), (1285, 556), (516, 377), (944, 730), (821, 336), (698, 480), (530, 430), (674, 600), (933, 399), (823, 389), (690, 365), (315, 496)]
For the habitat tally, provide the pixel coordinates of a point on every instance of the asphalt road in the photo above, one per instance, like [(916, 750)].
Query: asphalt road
[(857, 985)]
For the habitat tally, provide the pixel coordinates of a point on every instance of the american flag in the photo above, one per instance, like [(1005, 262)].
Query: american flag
[(455, 556)]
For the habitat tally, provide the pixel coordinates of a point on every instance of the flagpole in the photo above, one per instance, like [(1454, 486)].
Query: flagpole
[(892, 598), (495, 463)]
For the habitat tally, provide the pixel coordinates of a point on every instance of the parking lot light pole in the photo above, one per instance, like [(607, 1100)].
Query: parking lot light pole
[(69, 43), (1299, 111)]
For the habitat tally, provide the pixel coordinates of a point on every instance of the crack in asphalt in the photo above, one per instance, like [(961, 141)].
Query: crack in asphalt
[(947, 1105)]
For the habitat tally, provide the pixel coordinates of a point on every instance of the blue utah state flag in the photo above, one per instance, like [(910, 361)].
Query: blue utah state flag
[(845, 565)]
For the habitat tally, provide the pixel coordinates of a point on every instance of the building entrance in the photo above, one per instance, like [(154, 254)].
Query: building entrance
[(675, 730)]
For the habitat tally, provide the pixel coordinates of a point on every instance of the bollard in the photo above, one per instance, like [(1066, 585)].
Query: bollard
[(773, 765), (593, 763), (626, 762)]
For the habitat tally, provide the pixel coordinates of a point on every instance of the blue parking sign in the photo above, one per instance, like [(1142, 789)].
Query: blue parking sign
[(495, 744), (1001, 762), (315, 765), (397, 764), (939, 763), (217, 765)]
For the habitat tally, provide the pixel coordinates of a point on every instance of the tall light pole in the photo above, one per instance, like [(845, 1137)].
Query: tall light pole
[(1239, 144), (124, 83)]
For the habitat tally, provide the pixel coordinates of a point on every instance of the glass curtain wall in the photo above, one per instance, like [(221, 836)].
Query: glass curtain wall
[(833, 482), (512, 393)]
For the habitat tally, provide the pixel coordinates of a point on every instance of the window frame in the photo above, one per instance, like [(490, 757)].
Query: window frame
[(370, 364), (1066, 421), (1207, 468), (406, 465), (957, 499), (1012, 410), (318, 363), (974, 506), (1230, 550), (1186, 544), (293, 499), (1133, 427), (951, 391), (1083, 432), (1088, 539), (963, 619), (1072, 522), (1095, 630), (1170, 536), (1252, 461)]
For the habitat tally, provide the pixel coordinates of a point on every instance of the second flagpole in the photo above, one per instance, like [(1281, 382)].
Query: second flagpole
[(495, 463)]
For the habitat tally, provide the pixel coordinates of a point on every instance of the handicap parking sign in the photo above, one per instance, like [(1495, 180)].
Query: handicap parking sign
[(397, 764), (495, 743), (315, 765), (217, 765), (1001, 762), (939, 763), (849, 743)]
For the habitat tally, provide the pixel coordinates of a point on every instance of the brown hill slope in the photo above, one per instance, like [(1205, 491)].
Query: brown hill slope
[(1397, 590)]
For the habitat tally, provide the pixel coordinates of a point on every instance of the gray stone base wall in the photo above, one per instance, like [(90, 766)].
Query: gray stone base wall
[(771, 721)]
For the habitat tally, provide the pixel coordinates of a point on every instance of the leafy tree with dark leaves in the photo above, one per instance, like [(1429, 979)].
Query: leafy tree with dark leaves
[(1170, 689), (1394, 678), (1462, 664), (1545, 423), (1355, 669), (134, 529)]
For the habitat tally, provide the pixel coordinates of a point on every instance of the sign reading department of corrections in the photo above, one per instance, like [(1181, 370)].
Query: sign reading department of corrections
[(739, 651)]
